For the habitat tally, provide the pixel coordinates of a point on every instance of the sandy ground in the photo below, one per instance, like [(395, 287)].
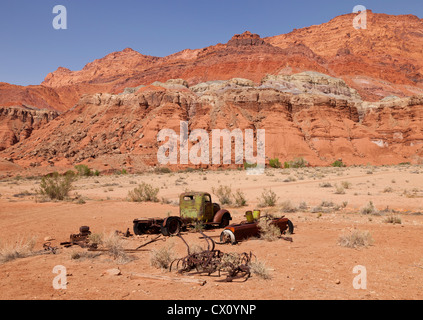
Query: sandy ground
[(313, 266)]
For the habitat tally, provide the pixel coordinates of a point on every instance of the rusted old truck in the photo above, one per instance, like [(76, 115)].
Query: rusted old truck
[(194, 208)]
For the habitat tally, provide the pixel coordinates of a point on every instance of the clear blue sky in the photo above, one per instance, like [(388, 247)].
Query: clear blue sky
[(31, 47)]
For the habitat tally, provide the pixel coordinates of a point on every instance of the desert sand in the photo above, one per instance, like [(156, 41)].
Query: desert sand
[(313, 266)]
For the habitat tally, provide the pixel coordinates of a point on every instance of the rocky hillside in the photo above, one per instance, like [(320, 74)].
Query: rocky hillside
[(320, 127)]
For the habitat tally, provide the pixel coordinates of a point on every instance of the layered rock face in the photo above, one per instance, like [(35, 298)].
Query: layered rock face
[(321, 128), (17, 123)]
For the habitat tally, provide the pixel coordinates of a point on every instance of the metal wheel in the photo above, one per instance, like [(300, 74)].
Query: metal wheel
[(290, 227), (227, 236), (172, 227)]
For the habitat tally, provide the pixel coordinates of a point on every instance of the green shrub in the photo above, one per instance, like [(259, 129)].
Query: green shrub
[(119, 172), (338, 163), (144, 193), (83, 170), (55, 186), (248, 166), (275, 163)]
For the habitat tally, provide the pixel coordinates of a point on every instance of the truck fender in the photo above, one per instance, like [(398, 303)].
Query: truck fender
[(219, 216)]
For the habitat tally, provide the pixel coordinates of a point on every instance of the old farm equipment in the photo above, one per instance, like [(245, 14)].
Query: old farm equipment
[(244, 230), (211, 260), (194, 207)]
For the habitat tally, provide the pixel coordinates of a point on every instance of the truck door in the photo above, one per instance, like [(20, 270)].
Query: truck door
[(208, 208)]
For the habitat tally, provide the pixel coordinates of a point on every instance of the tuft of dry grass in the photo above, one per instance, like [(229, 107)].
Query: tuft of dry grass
[(356, 239), (260, 269), (19, 249), (392, 219), (162, 258), (115, 247)]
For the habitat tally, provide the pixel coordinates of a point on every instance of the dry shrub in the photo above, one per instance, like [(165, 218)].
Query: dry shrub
[(144, 193), (268, 231), (392, 219), (239, 198), (162, 258), (114, 244), (268, 199), (20, 249), (259, 268), (356, 239), (224, 194), (369, 209)]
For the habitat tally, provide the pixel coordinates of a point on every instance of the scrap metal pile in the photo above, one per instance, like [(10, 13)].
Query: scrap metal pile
[(210, 261)]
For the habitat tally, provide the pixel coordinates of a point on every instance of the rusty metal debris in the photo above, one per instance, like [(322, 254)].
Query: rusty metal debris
[(244, 230), (126, 234), (81, 239), (47, 247), (210, 261)]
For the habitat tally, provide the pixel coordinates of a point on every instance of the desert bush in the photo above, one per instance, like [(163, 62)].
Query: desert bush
[(388, 190), (325, 185), (162, 258), (338, 163), (114, 245), (239, 198), (287, 206), (303, 205), (369, 209), (296, 163), (356, 239), (95, 238), (83, 170), (144, 193), (275, 163), (55, 186), (162, 170), (392, 219), (339, 189), (259, 268), (223, 193), (268, 231), (346, 184), (249, 166), (268, 198)]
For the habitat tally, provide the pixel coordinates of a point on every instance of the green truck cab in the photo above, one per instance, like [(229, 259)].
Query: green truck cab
[(194, 208)]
